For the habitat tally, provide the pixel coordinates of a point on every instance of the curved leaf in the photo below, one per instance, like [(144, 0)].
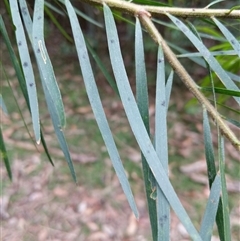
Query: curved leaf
[(137, 124), (211, 210), (229, 36), (97, 107), (44, 62), (215, 66), (27, 68)]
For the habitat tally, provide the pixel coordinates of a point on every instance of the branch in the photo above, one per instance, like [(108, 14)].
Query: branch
[(145, 17), (133, 9), (186, 78)]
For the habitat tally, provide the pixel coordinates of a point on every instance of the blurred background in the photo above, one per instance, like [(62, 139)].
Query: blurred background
[(42, 202)]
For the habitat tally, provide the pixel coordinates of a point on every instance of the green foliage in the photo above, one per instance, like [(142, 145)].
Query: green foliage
[(161, 195)]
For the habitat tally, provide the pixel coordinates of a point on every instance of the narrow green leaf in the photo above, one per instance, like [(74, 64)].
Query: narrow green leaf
[(19, 73), (229, 36), (143, 106), (27, 68), (222, 91), (4, 156), (101, 66), (225, 206), (211, 169), (211, 210), (97, 107), (44, 62), (58, 130), (161, 146), (137, 124), (2, 105), (215, 66)]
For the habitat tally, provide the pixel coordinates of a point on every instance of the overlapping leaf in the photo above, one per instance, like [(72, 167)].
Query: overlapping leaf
[(137, 124), (161, 146), (97, 107), (50, 87), (215, 66), (143, 105), (27, 68)]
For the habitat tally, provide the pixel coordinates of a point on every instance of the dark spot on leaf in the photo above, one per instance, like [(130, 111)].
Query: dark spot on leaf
[(31, 84), (24, 12), (19, 43), (128, 99), (39, 17), (177, 22), (193, 9), (35, 37), (163, 103), (38, 50), (25, 64), (233, 42), (159, 61), (148, 151), (112, 41), (184, 29)]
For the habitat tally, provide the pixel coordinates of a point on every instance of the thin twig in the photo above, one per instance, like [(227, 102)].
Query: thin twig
[(186, 78), (132, 8)]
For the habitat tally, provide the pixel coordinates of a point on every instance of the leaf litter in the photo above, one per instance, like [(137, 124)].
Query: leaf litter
[(36, 205)]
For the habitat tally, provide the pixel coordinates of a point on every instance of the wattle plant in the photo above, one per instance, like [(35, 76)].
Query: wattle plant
[(160, 193)]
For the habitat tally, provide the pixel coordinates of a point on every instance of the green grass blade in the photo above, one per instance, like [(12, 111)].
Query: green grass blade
[(211, 210), (229, 36), (4, 156), (215, 66), (19, 73), (44, 62), (137, 124), (143, 106), (161, 146), (97, 107), (27, 68), (222, 91), (225, 206), (2, 105), (209, 153)]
